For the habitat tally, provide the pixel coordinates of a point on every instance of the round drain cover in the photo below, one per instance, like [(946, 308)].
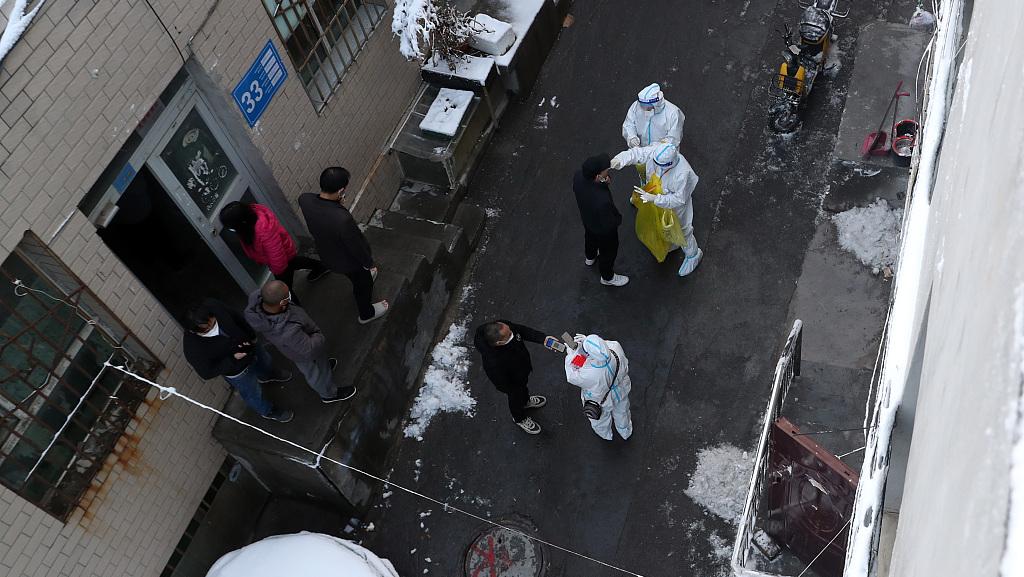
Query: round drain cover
[(499, 552)]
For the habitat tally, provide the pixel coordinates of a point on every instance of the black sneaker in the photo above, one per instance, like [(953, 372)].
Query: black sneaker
[(344, 394), (317, 275), (281, 416), (333, 362), (282, 377)]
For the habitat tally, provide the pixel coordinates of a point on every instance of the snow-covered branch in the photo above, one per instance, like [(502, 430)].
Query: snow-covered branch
[(17, 23), (432, 29)]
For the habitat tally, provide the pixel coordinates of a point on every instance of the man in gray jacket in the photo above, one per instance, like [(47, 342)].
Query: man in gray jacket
[(288, 327)]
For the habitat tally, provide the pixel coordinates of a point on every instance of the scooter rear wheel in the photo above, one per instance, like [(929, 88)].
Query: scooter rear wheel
[(784, 121)]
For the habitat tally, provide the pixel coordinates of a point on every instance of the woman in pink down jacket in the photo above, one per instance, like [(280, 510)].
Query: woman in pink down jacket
[(266, 242)]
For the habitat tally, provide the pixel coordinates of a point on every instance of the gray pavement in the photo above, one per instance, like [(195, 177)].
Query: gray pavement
[(701, 349)]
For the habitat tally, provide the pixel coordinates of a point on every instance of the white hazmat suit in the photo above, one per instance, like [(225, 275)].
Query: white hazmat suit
[(603, 375), (645, 125), (677, 182)]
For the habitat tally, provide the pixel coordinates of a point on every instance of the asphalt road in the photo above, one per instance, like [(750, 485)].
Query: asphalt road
[(701, 349)]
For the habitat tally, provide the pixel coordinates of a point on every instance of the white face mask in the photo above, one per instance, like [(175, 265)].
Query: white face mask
[(214, 330)]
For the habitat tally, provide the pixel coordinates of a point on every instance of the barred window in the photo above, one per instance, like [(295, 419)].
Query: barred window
[(323, 37), (61, 409)]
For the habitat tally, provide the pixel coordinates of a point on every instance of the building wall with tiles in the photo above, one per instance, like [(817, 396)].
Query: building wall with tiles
[(71, 91)]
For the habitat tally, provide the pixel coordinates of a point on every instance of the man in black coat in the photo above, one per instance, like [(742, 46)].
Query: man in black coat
[(219, 343), (340, 243), (507, 364), (600, 218)]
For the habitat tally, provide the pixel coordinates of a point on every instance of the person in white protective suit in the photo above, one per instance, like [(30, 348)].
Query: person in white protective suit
[(600, 369), (677, 183), (652, 119)]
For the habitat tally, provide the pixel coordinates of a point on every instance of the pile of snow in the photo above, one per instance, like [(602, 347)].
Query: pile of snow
[(721, 481), (413, 22), (306, 554), (871, 233), (444, 384)]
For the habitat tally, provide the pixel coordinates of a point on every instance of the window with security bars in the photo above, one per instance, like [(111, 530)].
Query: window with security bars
[(323, 37), (61, 409)]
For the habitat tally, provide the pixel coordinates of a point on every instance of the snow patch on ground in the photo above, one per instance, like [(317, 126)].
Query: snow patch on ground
[(871, 233), (444, 387), (720, 482)]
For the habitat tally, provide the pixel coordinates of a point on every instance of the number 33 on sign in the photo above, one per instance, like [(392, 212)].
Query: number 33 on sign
[(254, 92)]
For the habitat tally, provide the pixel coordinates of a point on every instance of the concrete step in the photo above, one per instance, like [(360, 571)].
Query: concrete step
[(426, 201), (384, 239), (471, 219), (449, 234)]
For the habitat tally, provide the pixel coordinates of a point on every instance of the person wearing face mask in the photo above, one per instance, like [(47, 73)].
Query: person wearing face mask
[(502, 346), (601, 371), (600, 218), (288, 327), (668, 170), (218, 342), (652, 119)]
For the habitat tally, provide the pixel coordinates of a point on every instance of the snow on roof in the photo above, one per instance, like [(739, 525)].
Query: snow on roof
[(305, 554)]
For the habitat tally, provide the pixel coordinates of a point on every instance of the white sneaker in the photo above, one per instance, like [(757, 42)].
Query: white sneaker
[(589, 261), (536, 402), (617, 280), (530, 426), (690, 263)]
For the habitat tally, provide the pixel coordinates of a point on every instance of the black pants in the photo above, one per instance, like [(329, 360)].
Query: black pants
[(603, 247), (518, 397), (299, 263), (362, 290)]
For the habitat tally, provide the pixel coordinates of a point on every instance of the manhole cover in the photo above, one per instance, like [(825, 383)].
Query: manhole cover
[(499, 552)]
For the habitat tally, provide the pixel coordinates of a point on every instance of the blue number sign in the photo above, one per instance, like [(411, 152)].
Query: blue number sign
[(258, 86)]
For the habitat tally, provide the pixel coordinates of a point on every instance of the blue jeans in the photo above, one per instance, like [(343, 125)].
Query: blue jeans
[(248, 386)]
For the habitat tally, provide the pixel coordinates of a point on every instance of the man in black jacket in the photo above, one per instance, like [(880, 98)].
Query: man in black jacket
[(507, 364), (219, 343), (341, 244), (600, 218)]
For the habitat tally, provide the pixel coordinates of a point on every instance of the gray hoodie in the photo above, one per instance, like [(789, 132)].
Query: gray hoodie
[(292, 331)]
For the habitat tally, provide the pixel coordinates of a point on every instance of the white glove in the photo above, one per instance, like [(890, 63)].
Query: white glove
[(620, 160), (646, 197), (633, 142)]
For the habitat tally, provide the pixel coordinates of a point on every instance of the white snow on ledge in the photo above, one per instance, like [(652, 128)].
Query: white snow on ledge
[(520, 14), (472, 68)]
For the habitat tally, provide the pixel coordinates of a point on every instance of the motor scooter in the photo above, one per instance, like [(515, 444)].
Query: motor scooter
[(802, 62)]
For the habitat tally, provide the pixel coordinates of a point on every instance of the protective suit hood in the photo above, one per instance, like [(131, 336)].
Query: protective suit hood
[(665, 155), (651, 95)]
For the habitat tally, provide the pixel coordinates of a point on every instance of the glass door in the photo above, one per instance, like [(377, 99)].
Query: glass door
[(202, 176)]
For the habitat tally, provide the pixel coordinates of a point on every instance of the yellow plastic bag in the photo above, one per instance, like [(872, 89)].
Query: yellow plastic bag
[(657, 228)]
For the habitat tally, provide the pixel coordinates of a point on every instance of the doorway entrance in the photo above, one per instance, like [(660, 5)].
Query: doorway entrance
[(157, 205)]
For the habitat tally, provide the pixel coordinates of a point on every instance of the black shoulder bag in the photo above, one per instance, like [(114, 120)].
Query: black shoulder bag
[(591, 408)]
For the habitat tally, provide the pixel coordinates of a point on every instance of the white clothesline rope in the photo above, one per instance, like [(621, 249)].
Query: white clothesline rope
[(167, 392)]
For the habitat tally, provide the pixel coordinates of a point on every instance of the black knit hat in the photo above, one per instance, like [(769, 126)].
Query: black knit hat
[(595, 165)]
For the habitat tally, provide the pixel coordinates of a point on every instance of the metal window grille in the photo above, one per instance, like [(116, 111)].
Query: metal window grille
[(323, 37), (197, 519), (61, 413)]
